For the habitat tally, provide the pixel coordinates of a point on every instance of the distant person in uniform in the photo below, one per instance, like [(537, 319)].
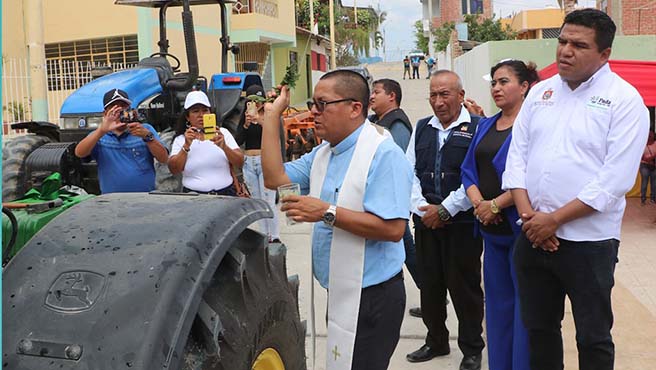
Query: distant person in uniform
[(430, 62), (406, 67), (124, 151), (575, 149), (415, 61)]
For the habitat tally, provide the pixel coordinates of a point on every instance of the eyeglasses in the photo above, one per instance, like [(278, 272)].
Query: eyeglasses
[(321, 105)]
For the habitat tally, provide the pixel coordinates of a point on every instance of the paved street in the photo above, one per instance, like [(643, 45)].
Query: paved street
[(634, 294)]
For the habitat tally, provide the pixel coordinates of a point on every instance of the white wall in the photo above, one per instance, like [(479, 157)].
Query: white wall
[(471, 67)]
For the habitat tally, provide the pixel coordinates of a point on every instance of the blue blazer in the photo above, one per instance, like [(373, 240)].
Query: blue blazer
[(469, 171)]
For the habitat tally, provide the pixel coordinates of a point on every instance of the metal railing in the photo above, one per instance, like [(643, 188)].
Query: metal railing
[(62, 76), (265, 7)]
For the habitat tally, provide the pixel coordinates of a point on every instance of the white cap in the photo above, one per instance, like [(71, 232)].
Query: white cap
[(196, 97)]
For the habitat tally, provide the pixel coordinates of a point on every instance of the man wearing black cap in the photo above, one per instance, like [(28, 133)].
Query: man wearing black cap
[(124, 151)]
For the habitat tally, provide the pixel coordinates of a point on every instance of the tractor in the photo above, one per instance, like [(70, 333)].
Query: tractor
[(156, 88), (159, 280)]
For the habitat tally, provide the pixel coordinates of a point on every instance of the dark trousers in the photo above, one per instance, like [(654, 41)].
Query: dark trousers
[(415, 72), (647, 176), (379, 324), (584, 272), (411, 255), (450, 258)]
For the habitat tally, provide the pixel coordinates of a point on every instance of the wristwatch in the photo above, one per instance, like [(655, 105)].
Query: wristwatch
[(148, 138), (443, 213), (494, 207), (330, 215)]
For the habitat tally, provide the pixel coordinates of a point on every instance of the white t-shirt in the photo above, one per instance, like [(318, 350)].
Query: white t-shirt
[(207, 167)]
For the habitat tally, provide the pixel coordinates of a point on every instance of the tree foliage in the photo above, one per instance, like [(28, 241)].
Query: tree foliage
[(353, 40), (421, 41), (479, 29)]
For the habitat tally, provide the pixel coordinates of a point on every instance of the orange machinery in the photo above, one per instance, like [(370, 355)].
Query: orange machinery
[(300, 133)]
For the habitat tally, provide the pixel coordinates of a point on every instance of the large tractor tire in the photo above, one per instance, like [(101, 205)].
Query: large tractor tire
[(172, 282), (258, 311), (15, 182), (164, 179)]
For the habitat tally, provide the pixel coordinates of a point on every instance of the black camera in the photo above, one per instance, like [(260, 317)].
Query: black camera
[(131, 115)]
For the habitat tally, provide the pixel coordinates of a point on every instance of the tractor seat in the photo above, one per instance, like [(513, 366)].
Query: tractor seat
[(161, 65)]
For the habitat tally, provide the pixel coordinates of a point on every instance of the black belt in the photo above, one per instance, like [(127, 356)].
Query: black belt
[(389, 281), (228, 190)]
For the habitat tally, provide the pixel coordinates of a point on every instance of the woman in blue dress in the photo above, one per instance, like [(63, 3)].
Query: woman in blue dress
[(482, 170)]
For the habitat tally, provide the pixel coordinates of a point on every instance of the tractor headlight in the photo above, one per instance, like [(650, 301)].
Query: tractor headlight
[(73, 123)]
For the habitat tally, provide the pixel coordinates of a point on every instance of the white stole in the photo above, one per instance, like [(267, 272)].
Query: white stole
[(346, 250)]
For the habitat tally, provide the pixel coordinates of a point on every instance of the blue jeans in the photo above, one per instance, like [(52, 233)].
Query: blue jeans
[(584, 272), (507, 338), (255, 182), (648, 175)]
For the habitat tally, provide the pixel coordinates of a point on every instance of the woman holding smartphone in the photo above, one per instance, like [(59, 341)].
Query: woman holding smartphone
[(249, 134), (204, 164), (481, 176)]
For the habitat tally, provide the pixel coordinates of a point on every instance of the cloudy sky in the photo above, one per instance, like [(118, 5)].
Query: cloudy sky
[(402, 14)]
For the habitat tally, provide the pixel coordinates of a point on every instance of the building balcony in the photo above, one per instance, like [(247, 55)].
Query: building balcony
[(265, 21)]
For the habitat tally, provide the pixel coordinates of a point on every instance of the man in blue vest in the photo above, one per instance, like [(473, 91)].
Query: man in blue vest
[(448, 253)]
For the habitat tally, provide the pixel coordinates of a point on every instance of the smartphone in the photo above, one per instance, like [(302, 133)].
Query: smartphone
[(209, 125), (251, 108)]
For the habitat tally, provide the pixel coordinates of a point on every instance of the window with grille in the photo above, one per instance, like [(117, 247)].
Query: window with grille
[(69, 64), (472, 6)]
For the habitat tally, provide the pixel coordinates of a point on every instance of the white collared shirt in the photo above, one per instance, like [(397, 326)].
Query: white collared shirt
[(457, 200), (583, 144)]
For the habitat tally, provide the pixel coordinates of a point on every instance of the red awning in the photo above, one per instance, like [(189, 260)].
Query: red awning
[(640, 74)]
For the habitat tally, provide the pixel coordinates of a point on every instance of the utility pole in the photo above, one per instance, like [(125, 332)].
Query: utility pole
[(37, 59), (331, 9), (430, 27), (355, 11), (311, 16)]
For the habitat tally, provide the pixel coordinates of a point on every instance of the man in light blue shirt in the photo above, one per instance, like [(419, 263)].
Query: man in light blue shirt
[(339, 108)]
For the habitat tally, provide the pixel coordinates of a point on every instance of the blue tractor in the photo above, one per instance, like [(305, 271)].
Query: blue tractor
[(156, 87)]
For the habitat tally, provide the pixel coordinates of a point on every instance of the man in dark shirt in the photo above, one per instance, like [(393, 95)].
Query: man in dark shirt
[(385, 101)]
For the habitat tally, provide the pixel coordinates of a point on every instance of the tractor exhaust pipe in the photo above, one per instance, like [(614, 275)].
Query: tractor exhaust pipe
[(192, 55)]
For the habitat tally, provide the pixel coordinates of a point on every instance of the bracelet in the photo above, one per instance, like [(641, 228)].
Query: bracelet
[(494, 207), (186, 150)]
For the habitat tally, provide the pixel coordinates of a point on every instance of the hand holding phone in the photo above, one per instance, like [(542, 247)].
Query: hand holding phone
[(209, 125)]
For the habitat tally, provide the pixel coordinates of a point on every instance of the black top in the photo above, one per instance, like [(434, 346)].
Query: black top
[(251, 137), (488, 181)]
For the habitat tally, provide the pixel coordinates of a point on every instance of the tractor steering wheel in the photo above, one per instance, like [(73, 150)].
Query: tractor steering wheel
[(176, 68)]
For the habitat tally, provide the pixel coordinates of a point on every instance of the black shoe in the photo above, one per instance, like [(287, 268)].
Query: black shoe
[(415, 311), (653, 201), (472, 362), (642, 201), (426, 353), (276, 240)]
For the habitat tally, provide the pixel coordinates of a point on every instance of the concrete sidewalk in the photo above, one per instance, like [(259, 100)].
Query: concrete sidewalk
[(634, 296)]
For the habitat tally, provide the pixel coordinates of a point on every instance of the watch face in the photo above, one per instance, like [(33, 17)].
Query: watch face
[(329, 218)]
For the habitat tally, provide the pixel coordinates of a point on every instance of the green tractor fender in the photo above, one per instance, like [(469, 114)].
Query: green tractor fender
[(151, 281)]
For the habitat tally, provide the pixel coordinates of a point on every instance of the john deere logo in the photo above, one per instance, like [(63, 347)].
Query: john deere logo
[(547, 94), (75, 291)]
